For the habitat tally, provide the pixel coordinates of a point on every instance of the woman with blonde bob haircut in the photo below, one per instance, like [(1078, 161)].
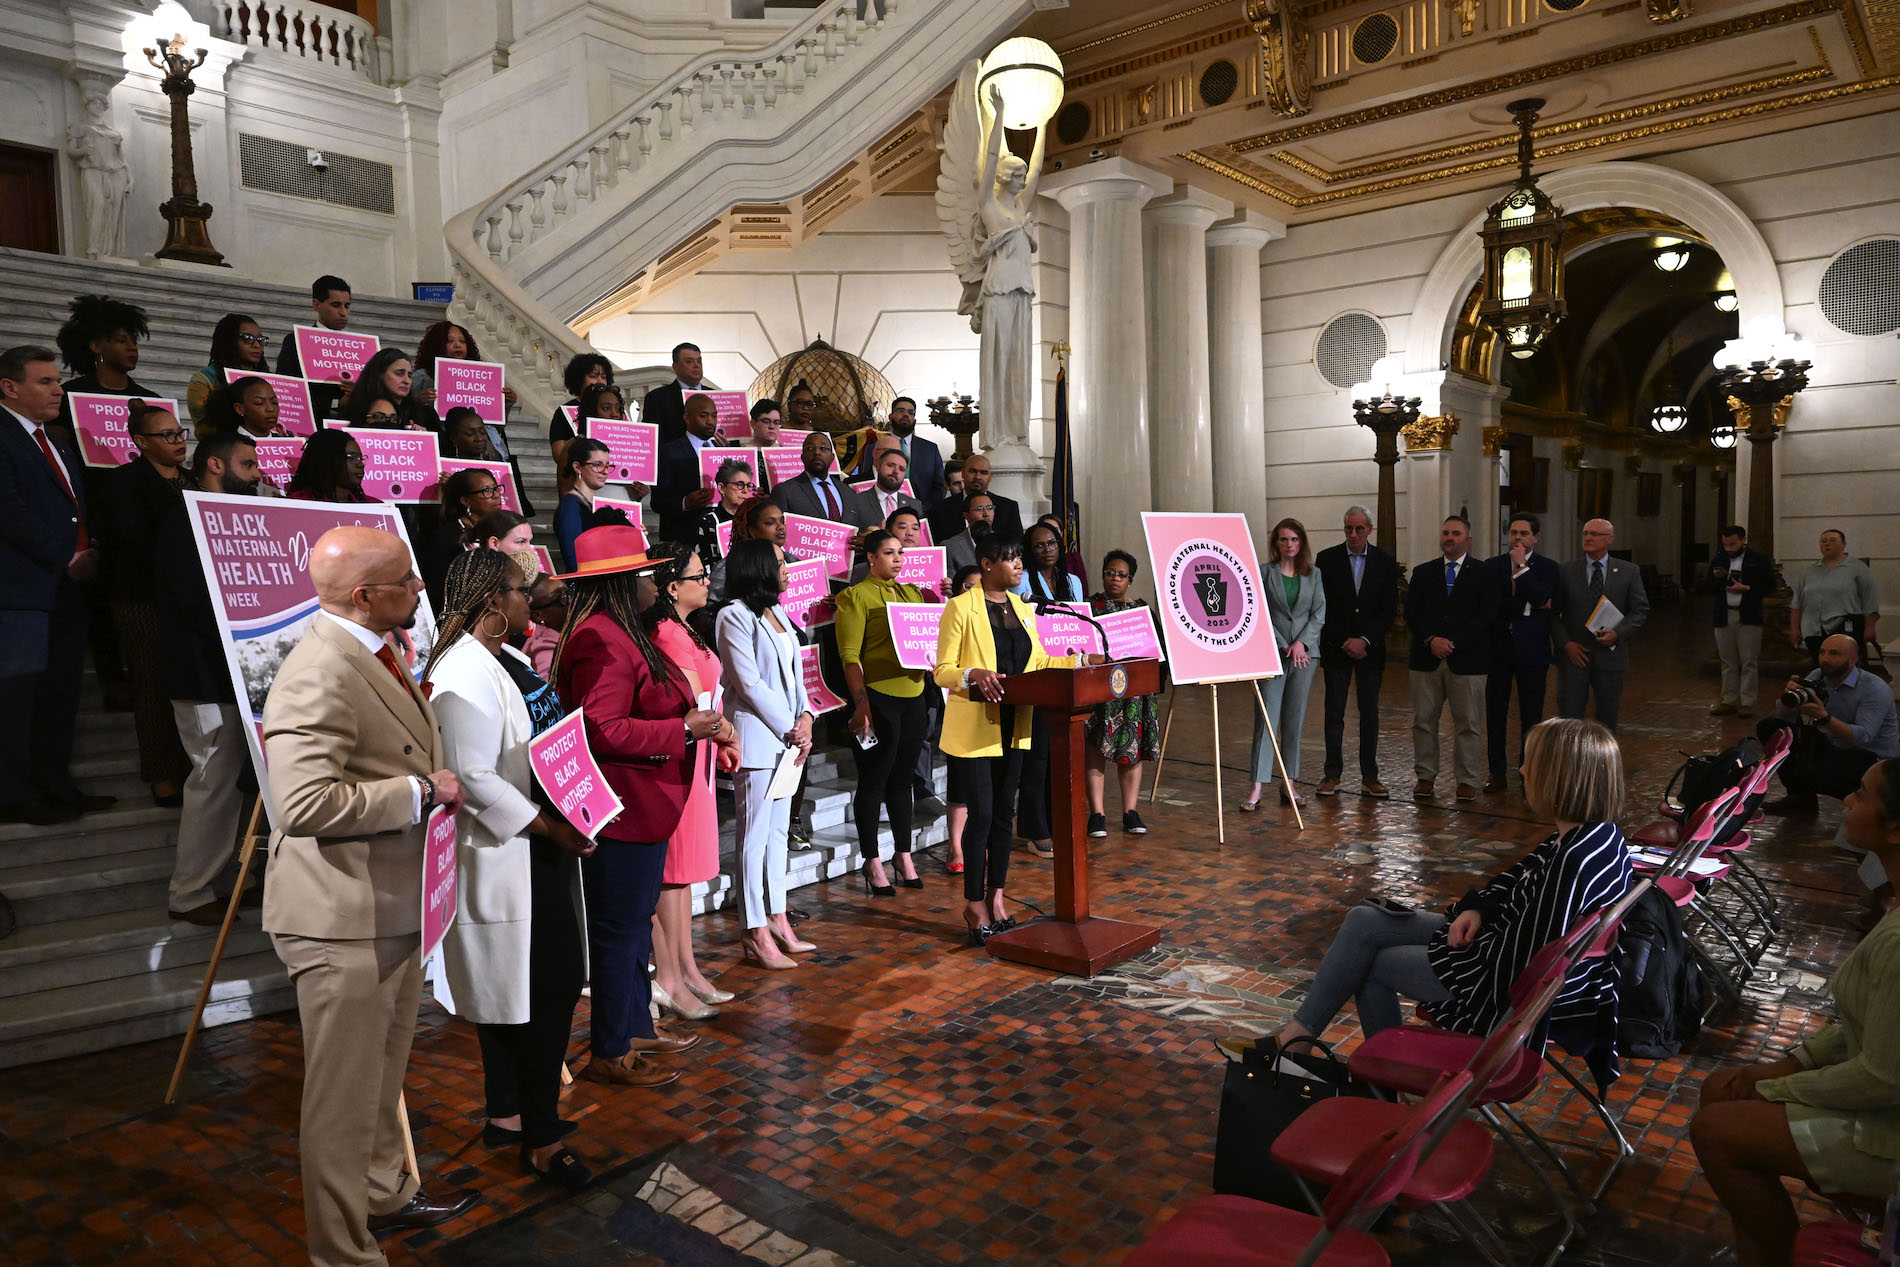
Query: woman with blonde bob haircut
[(1462, 962)]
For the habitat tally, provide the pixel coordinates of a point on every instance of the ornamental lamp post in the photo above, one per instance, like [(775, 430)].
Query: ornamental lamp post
[(188, 237), (1761, 372), (1385, 416), (1523, 259)]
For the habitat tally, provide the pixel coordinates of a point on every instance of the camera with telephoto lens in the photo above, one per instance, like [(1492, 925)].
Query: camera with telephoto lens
[(1807, 693)]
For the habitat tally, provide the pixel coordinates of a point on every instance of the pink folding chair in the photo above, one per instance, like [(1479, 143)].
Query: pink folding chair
[(1230, 1231), (1679, 875)]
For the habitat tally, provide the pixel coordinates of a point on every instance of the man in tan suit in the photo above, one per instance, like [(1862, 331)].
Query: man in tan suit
[(355, 767)]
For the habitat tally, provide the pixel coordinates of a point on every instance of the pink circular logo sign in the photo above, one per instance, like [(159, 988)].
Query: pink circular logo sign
[(1210, 595)]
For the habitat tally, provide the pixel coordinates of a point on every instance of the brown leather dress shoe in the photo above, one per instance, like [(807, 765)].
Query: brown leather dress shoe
[(209, 915), (1421, 789), (662, 1043), (424, 1210), (1721, 710), (1494, 785), (1327, 787), (1466, 792), (631, 1070), (1373, 788)]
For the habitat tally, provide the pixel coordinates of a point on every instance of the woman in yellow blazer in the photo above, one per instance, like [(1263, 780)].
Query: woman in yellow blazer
[(988, 634)]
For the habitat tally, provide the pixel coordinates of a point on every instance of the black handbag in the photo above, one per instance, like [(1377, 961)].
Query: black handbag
[(1262, 1094)]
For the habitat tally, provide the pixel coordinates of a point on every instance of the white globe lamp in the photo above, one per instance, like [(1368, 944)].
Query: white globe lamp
[(1029, 75)]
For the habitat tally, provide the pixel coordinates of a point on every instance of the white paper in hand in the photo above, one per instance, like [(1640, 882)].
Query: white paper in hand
[(785, 776), (1606, 616)]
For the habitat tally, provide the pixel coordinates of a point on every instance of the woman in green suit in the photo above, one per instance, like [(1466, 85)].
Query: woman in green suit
[(1297, 602)]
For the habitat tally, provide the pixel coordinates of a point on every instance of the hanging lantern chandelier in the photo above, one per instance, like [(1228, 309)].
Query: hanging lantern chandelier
[(1523, 261), (1669, 417)]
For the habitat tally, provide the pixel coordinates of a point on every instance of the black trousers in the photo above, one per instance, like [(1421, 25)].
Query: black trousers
[(1529, 680), (990, 783), (886, 770), (1816, 767), (621, 879), (36, 743), (1032, 784), (521, 1064), (933, 726), (1343, 674)]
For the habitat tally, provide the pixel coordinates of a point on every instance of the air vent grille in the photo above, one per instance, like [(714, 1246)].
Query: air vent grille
[(1218, 82), (1072, 123), (1374, 39), (1348, 347), (283, 167), (1860, 291)]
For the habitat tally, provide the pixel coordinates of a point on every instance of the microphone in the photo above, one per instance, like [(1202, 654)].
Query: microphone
[(1050, 604)]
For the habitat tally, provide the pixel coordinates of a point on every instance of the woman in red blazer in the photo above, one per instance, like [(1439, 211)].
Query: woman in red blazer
[(641, 720)]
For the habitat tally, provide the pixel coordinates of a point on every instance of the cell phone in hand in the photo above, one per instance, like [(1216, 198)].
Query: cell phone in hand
[(1390, 906), (867, 740)]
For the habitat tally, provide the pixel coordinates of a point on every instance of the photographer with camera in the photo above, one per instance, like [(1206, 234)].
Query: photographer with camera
[(1843, 721)]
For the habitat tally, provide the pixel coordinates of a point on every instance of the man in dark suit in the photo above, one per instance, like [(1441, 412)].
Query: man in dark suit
[(871, 507), (46, 557), (946, 516), (925, 458), (665, 405), (1450, 606), (1520, 643), (1595, 662), (1739, 578), (817, 494), (1362, 583), (680, 496), (330, 298)]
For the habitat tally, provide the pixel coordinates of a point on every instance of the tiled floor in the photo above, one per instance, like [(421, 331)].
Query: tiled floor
[(903, 1099)]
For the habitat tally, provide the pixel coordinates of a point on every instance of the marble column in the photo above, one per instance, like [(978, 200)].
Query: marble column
[(1237, 389), (1430, 479), (1174, 242), (1108, 337)]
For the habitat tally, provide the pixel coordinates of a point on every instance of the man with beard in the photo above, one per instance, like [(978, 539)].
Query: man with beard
[(817, 494), (355, 767), (946, 516), (195, 678)]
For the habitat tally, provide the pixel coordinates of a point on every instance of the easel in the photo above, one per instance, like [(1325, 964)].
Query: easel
[(1220, 818)]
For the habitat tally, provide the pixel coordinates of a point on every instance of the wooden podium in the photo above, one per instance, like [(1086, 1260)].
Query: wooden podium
[(1074, 942)]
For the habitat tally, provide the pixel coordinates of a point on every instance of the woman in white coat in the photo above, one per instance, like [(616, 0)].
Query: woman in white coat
[(515, 956), (765, 700)]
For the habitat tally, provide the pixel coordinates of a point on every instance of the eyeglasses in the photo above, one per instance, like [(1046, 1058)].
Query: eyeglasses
[(1118, 576), (493, 490), (255, 340), (169, 437), (379, 419), (354, 459), (692, 576), (743, 486), (407, 579), (598, 466)]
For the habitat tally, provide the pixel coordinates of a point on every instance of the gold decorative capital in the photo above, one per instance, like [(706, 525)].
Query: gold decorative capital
[(1466, 11), (1286, 77), (1573, 454), (1492, 438), (1425, 434), (1745, 414), (1665, 11)]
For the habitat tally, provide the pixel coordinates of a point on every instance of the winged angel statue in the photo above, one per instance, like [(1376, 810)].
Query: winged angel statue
[(985, 200)]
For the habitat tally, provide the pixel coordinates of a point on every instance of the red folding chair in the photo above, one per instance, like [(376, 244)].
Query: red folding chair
[(1229, 1231), (1679, 876)]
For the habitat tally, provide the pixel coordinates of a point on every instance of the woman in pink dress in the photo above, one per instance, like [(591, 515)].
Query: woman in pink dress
[(692, 855)]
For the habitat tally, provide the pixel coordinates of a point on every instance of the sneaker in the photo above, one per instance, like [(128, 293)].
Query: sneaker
[(1375, 789), (1132, 824), (1098, 826), (1466, 792), (1328, 786), (1421, 789)]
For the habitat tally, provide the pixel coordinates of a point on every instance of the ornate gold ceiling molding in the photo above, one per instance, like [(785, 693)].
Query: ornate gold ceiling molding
[(1611, 118), (1767, 19), (1883, 21), (1145, 26), (1260, 182), (1173, 52)]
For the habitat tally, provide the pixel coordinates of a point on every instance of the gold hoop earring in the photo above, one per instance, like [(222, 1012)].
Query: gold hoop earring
[(480, 624)]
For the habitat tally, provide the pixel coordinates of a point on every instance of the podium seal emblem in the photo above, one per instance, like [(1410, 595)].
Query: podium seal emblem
[(1118, 681)]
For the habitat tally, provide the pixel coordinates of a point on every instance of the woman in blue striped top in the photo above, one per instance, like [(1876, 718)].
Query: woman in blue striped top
[(1461, 963)]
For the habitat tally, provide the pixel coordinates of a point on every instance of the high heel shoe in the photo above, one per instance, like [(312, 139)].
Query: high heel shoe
[(698, 1012), (712, 996), (755, 956), (875, 890), (790, 941), (911, 881)]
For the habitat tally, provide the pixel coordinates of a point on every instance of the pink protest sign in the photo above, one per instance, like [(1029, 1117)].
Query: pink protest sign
[(327, 355), (1131, 634), (924, 565), (1212, 611), (105, 439), (782, 463), (294, 411), (473, 385), (438, 878), (547, 560), (807, 594), (503, 473), (277, 458), (572, 413), (914, 633), (633, 448), (567, 772), (630, 509), (710, 460), (861, 486), (818, 697), (735, 418), (255, 552), (923, 531), (1064, 633), (398, 466), (810, 538), (722, 531)]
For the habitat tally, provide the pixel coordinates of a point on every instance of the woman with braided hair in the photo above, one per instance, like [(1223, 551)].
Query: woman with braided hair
[(645, 728), (514, 957)]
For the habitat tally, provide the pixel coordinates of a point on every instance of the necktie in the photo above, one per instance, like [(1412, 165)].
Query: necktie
[(831, 499), (59, 473), (1451, 577), (889, 502), (388, 658), (1596, 578)]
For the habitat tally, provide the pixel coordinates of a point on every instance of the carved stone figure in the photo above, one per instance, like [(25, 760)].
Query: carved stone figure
[(1285, 75), (104, 177), (985, 201)]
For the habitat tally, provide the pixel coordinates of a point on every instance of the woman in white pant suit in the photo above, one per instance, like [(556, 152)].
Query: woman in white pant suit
[(765, 700), (1296, 600)]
